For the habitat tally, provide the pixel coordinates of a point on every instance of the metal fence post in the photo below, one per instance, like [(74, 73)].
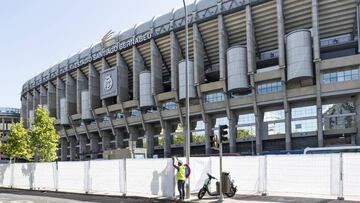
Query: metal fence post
[(12, 175), (264, 193), (125, 179), (56, 175), (87, 181), (341, 183)]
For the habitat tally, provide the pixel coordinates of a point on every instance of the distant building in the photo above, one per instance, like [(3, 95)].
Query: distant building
[(8, 116), (283, 74)]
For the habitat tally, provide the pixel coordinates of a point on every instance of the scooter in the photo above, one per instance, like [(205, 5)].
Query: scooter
[(205, 188)]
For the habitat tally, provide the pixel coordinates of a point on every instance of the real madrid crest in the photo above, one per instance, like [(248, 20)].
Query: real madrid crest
[(108, 82)]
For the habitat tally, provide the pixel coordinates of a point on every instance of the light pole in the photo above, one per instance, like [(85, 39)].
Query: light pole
[(187, 140)]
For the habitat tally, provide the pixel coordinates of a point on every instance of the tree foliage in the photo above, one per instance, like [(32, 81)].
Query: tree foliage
[(43, 137), (241, 133), (17, 144)]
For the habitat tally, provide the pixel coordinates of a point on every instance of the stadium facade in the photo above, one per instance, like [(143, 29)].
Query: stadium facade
[(283, 74)]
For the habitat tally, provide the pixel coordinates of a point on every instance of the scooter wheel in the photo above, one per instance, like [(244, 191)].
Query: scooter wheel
[(232, 192), (201, 193)]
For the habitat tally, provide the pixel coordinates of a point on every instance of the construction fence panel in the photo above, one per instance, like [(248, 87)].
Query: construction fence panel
[(351, 174), (5, 175), (107, 176), (44, 176), (245, 171), (150, 177), (23, 175), (72, 177), (306, 174)]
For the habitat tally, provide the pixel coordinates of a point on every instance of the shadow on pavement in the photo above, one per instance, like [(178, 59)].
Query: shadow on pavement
[(272, 199)]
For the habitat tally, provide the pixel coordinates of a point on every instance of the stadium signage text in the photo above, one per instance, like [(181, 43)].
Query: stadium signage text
[(112, 49), (88, 59)]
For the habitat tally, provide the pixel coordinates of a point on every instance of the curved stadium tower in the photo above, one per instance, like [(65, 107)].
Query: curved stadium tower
[(283, 74)]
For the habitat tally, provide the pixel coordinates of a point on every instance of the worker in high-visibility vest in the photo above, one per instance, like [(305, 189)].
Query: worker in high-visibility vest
[(180, 177)]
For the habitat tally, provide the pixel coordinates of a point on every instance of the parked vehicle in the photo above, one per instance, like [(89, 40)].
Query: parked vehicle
[(229, 191), (328, 150)]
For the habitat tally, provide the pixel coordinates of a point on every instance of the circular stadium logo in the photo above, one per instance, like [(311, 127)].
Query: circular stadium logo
[(108, 82)]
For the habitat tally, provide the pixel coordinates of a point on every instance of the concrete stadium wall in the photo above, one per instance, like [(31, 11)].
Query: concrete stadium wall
[(333, 175)]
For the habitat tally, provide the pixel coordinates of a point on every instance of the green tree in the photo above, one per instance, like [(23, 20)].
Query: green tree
[(179, 139), (241, 133), (200, 138), (43, 137), (17, 143)]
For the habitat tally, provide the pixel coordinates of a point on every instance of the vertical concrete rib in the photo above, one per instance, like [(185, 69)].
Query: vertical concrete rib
[(94, 87), (358, 24), (106, 138), (149, 134), (70, 93), (251, 63), (119, 138), (199, 54), (72, 146), (94, 145), (209, 124), (104, 66), (176, 57), (282, 65), (24, 117), (250, 41), (138, 66), (63, 147), (36, 99), (232, 132), (122, 71), (29, 103), (223, 46), (81, 85), (29, 107), (60, 93), (317, 61), (167, 139), (199, 75), (357, 107), (43, 96), (156, 69), (82, 147), (51, 99)]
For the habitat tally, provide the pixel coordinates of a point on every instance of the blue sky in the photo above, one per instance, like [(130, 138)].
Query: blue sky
[(36, 34)]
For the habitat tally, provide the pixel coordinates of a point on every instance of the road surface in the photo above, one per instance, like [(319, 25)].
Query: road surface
[(26, 196)]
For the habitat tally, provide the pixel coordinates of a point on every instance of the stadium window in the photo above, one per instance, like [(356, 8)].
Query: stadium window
[(338, 115), (269, 87), (134, 112), (303, 119), (213, 97), (169, 105), (335, 76), (275, 122)]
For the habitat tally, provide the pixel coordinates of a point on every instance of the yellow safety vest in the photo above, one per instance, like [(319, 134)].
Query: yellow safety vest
[(180, 174)]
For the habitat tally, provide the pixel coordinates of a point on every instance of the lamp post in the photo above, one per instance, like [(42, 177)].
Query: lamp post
[(187, 137)]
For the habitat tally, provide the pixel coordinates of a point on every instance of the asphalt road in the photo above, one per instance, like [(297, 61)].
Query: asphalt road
[(24, 196)]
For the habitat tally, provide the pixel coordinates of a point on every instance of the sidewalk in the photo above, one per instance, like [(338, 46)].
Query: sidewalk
[(268, 199), (50, 196)]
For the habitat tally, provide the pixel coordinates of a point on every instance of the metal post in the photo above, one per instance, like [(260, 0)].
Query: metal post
[(187, 142), (358, 24), (221, 180), (341, 183)]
